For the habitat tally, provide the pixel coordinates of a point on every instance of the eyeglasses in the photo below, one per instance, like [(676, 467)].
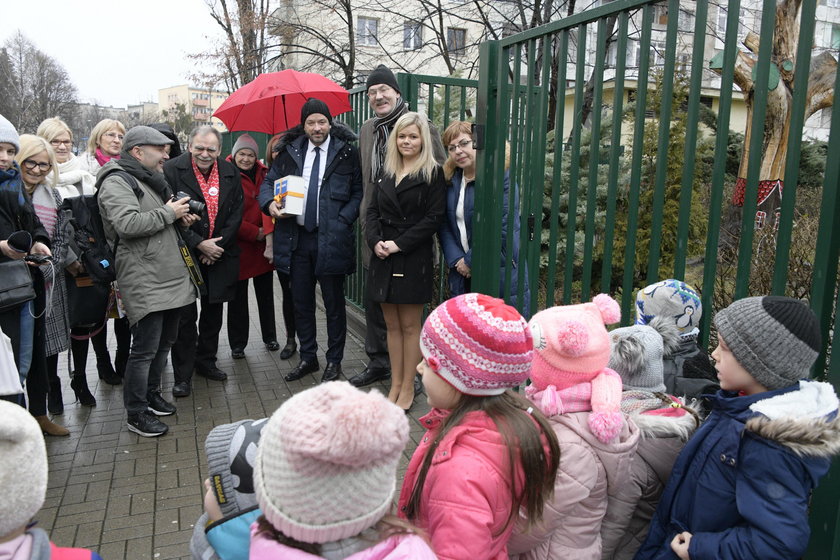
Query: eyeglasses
[(113, 135), (374, 91), (31, 164), (462, 145), (58, 143), (199, 149)]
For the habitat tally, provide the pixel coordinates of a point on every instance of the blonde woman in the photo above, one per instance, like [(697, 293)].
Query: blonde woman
[(406, 209), (39, 173), (104, 144), (73, 181)]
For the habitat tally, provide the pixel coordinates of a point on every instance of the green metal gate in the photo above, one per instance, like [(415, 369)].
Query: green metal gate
[(627, 163)]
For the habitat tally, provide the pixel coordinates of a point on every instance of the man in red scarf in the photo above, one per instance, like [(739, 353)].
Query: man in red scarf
[(206, 177)]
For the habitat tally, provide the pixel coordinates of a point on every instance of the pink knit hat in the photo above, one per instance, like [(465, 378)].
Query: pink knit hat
[(572, 351), (327, 462), (478, 344)]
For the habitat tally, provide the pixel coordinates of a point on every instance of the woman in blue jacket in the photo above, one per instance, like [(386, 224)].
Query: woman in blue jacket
[(456, 231)]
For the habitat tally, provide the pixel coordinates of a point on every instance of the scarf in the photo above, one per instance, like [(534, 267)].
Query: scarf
[(636, 402), (10, 181), (577, 398), (210, 192), (155, 180), (382, 127), (104, 158), (70, 173)]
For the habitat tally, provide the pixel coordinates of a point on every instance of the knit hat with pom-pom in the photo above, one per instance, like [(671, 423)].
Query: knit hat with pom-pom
[(478, 344), (23, 468), (572, 351), (326, 465)]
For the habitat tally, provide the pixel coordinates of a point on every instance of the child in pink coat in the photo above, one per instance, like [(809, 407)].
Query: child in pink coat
[(324, 478), (572, 385), (466, 481)]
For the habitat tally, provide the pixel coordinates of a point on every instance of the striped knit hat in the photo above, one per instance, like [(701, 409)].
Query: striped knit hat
[(478, 344), (775, 338)]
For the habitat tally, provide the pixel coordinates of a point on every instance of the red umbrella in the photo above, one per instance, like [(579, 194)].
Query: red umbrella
[(272, 102)]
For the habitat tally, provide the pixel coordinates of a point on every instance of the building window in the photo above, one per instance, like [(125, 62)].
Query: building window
[(686, 20), (367, 31), (660, 14), (723, 14), (634, 54), (657, 53), (831, 3), (412, 36), (835, 36), (456, 40)]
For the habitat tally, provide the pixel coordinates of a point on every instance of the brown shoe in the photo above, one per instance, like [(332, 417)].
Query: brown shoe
[(50, 428)]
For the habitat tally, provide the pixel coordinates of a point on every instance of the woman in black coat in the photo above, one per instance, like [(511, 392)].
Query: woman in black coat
[(406, 210)]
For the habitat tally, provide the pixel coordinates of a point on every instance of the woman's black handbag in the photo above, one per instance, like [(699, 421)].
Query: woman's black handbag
[(87, 300), (15, 284)]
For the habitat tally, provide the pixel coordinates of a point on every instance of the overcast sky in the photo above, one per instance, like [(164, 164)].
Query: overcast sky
[(117, 53)]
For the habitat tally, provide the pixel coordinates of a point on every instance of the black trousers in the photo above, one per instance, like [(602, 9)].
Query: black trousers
[(376, 334), (288, 304), (332, 291), (79, 348), (238, 324), (197, 344)]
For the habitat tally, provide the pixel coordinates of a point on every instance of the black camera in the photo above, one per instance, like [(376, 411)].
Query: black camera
[(196, 207)]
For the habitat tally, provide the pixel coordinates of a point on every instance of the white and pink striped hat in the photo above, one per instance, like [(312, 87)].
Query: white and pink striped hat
[(478, 344)]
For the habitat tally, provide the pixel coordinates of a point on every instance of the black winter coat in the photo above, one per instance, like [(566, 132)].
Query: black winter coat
[(221, 277), (408, 214), (338, 201)]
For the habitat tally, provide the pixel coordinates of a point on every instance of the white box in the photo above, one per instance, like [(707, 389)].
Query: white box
[(289, 192)]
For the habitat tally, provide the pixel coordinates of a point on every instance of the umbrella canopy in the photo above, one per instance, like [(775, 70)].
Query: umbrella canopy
[(272, 102)]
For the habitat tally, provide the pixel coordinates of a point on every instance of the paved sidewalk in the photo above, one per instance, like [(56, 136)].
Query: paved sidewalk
[(138, 498)]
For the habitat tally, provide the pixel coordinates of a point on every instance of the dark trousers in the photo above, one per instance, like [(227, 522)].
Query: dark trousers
[(376, 334), (197, 344), (288, 304), (238, 325), (152, 337), (332, 290)]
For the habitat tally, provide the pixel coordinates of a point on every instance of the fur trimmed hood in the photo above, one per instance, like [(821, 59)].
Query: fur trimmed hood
[(655, 426), (338, 130), (804, 420)]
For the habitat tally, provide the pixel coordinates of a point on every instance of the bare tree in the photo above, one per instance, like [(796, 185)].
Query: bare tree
[(35, 86)]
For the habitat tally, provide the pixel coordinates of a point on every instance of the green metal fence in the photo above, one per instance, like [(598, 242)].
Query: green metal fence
[(443, 100), (611, 204)]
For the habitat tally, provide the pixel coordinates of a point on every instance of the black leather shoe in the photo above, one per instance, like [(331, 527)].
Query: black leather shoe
[(370, 375), (214, 374), (288, 350), (181, 389), (303, 369), (331, 372), (272, 346), (237, 353)]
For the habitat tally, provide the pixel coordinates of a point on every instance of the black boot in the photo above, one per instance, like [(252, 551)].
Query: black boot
[(80, 387), (107, 373), (55, 401), (120, 361)]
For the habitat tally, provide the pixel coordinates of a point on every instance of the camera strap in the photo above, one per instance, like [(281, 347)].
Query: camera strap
[(189, 261)]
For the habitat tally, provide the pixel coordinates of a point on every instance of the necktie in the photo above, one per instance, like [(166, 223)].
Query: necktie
[(310, 218)]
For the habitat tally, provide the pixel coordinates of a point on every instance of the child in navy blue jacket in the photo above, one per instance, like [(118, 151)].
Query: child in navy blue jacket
[(740, 487)]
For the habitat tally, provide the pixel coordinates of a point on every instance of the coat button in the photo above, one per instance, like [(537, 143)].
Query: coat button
[(731, 462), (722, 458), (444, 453)]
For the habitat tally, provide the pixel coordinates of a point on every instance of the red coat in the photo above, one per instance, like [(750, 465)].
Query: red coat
[(251, 260)]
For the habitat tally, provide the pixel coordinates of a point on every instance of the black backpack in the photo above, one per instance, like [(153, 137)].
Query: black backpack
[(89, 237)]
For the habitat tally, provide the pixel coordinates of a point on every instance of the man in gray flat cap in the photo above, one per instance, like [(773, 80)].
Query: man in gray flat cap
[(139, 216)]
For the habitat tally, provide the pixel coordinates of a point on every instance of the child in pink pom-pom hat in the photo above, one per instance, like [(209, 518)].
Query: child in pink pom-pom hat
[(581, 396)]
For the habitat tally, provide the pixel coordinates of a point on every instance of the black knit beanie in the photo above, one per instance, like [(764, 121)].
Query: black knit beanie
[(775, 338), (313, 106), (382, 75)]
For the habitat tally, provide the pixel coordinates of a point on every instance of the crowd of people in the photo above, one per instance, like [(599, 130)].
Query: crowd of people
[(548, 437)]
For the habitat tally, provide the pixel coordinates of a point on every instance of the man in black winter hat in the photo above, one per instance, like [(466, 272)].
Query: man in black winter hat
[(386, 100), (318, 245)]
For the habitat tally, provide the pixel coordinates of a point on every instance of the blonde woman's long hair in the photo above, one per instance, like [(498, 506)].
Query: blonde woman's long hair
[(31, 145), (101, 128), (425, 164)]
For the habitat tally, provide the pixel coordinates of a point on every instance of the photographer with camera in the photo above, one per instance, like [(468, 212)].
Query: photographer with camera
[(214, 183), (139, 214)]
